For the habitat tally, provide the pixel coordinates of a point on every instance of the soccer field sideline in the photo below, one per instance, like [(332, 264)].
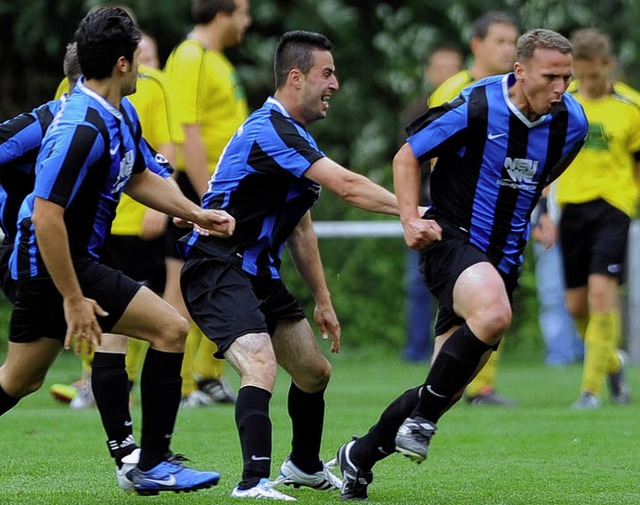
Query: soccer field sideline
[(539, 452)]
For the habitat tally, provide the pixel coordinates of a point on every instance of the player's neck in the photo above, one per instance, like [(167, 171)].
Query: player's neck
[(479, 71), (207, 36), (595, 92), (107, 89), (290, 103)]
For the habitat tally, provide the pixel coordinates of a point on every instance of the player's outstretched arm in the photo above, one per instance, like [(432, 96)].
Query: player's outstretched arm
[(353, 188), (156, 192)]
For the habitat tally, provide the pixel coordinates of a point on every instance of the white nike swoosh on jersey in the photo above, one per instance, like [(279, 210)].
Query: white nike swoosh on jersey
[(434, 393), (114, 150), (492, 136), (260, 458), (169, 481)]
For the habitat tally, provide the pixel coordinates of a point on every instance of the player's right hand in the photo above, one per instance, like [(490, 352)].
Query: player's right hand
[(421, 233), (80, 314), (215, 222)]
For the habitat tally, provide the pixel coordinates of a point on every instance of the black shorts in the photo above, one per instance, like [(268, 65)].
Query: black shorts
[(141, 260), (38, 310), (593, 237), (227, 303), (442, 263), (8, 284), (174, 233)]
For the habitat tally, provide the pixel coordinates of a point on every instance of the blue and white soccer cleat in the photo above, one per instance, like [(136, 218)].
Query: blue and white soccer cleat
[(171, 476)]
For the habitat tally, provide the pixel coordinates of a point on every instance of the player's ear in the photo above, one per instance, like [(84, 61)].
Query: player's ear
[(518, 70)]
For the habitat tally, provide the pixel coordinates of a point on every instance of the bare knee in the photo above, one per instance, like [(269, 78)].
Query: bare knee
[(20, 387), (315, 377), (491, 323), (254, 359), (171, 335)]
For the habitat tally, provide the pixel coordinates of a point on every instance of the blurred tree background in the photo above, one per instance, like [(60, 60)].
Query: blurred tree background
[(379, 54)]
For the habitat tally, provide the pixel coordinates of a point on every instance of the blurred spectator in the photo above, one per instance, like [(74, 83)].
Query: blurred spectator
[(443, 62)]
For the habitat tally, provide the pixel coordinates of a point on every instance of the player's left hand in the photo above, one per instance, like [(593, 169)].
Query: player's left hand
[(328, 324)]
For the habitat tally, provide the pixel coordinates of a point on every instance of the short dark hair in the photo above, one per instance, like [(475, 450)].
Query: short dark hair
[(104, 35), (480, 27), (295, 50), (203, 11), (541, 39)]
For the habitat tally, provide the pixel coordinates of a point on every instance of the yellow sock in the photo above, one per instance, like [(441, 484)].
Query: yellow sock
[(87, 359), (601, 341), (581, 325), (193, 341), (205, 366), (484, 381), (136, 351)]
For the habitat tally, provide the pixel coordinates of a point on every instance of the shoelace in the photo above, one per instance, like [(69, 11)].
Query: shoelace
[(177, 458)]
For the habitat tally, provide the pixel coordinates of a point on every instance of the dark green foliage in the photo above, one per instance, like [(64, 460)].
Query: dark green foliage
[(380, 48)]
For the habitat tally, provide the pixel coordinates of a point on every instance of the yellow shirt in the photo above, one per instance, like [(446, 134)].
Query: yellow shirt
[(151, 103), (205, 91), (605, 167), (450, 88)]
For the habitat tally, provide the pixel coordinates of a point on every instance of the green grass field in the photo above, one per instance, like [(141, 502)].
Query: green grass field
[(539, 452)]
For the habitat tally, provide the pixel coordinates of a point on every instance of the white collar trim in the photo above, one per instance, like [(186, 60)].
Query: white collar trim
[(512, 107), (82, 87)]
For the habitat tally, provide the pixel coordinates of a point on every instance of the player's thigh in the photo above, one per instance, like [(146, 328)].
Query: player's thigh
[(148, 317)]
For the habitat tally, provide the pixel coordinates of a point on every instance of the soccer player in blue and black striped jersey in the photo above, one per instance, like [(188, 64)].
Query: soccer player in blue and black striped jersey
[(268, 178), (90, 154), (498, 145)]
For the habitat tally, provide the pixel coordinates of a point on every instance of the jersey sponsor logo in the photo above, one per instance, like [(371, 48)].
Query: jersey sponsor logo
[(126, 167), (521, 172), (597, 138), (493, 136)]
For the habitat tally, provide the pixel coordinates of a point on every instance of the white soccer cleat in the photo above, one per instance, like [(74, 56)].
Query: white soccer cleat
[(263, 490), (323, 480), (128, 463)]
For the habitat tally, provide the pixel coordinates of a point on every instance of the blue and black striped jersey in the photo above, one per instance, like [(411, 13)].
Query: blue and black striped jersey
[(493, 163), (260, 181), (20, 141), (86, 158)]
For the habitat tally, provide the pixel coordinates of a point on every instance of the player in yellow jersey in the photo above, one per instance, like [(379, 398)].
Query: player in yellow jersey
[(208, 106), (598, 194), (493, 45)]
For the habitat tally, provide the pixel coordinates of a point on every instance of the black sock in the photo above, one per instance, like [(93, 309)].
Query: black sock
[(111, 390), (380, 442), (450, 372), (306, 411), (160, 384), (254, 428), (7, 402)]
